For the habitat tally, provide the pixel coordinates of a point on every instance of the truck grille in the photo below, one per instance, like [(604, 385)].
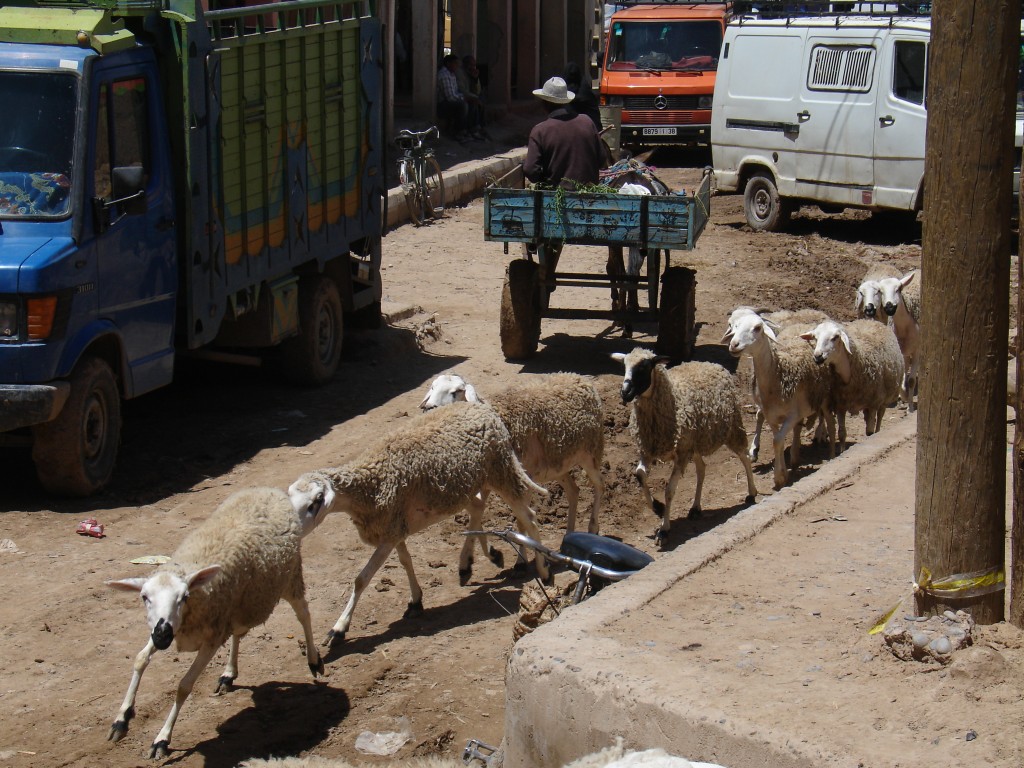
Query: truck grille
[(670, 102), (662, 117)]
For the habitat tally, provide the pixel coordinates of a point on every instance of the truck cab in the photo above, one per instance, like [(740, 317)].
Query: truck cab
[(659, 67)]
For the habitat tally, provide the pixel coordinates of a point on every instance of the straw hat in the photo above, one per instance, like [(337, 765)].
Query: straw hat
[(555, 91)]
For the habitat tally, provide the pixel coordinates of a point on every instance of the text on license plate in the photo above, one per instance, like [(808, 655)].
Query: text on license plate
[(659, 132)]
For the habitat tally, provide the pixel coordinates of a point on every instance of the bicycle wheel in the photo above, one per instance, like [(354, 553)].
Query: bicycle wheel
[(411, 191), (433, 185)]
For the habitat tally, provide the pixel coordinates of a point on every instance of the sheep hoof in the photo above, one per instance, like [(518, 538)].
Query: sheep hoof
[(464, 574), (495, 556), (120, 727), (412, 610), (334, 638), (661, 535), (520, 566), (659, 508), (627, 331), (751, 500), (318, 668), (549, 580), (694, 511), (159, 750), (225, 684)]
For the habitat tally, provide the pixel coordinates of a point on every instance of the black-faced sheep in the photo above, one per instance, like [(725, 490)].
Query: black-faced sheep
[(442, 462), (683, 414), (868, 366), (790, 386), (556, 422), (869, 301), (225, 578)]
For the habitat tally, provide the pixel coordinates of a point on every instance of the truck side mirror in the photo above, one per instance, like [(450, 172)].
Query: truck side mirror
[(129, 187)]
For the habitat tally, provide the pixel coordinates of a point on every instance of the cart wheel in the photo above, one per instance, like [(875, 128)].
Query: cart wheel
[(520, 310), (676, 314)]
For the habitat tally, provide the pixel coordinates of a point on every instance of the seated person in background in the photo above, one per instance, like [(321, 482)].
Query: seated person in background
[(451, 105), (468, 77)]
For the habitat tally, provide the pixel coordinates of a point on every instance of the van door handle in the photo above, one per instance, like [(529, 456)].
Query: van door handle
[(885, 120), (804, 116)]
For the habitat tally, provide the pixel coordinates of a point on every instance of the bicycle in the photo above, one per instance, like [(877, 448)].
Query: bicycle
[(420, 175)]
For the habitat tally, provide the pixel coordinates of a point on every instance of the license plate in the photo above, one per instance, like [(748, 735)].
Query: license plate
[(659, 132)]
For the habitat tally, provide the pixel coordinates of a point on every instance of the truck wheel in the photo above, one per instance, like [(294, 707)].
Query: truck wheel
[(312, 357), (676, 314), (520, 310), (765, 210), (75, 453)]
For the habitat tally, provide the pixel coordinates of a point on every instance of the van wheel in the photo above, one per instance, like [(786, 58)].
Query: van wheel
[(312, 357), (75, 453), (765, 210)]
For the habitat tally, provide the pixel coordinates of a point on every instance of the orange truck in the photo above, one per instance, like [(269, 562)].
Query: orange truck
[(659, 66)]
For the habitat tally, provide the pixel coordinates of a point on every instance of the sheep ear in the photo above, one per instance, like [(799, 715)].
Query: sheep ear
[(128, 585), (727, 337), (662, 360), (809, 336), (769, 332), (845, 339), (203, 575), (771, 324), (469, 394), (620, 356), (907, 279), (858, 303)]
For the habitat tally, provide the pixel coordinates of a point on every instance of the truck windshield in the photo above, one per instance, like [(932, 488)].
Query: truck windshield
[(37, 143), (665, 45)]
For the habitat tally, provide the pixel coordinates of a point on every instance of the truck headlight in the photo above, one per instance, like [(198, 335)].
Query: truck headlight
[(704, 102), (8, 320)]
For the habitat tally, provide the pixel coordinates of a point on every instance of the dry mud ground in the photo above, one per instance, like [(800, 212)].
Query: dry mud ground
[(67, 641)]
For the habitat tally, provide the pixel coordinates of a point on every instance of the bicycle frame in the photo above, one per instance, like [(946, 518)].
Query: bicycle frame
[(420, 176)]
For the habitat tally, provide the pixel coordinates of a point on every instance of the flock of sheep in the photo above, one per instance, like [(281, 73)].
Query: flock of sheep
[(229, 573)]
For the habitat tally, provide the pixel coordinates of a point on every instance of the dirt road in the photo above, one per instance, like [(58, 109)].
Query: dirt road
[(67, 641)]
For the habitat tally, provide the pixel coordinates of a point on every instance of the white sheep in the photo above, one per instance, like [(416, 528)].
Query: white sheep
[(868, 365), (442, 462), (787, 322), (225, 578), (556, 422), (868, 302), (790, 385), (683, 413), (901, 299)]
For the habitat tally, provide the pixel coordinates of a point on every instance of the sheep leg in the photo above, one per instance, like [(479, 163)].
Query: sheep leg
[(640, 473), (127, 711), (337, 633), (476, 516), (572, 495), (870, 419), (415, 607), (596, 481), (830, 428), (313, 658), (841, 418), (227, 677), (755, 443), (527, 520), (791, 424), (698, 462), (162, 744), (678, 468), (614, 268)]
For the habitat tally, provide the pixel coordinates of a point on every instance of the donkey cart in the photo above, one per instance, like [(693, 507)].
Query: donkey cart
[(544, 220)]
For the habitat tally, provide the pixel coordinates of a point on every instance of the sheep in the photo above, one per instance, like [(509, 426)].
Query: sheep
[(442, 462), (868, 301), (683, 413), (901, 297), (225, 578), (556, 422), (868, 365), (787, 322), (789, 385)]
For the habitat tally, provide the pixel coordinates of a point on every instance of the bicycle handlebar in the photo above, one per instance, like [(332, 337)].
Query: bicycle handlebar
[(515, 537), (418, 136)]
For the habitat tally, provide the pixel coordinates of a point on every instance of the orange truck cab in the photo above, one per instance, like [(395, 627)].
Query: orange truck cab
[(659, 66)]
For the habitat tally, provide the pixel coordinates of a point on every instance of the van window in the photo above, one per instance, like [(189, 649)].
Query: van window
[(908, 77), (665, 45), (841, 68)]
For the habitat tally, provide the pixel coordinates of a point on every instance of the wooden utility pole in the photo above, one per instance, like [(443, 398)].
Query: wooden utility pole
[(961, 449), (1016, 580)]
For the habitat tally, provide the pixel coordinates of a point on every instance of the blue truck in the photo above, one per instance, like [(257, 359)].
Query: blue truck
[(178, 178)]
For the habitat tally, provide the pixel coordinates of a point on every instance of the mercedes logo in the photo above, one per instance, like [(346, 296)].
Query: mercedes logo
[(660, 102)]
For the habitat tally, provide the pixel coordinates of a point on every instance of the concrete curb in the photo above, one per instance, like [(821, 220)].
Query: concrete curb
[(461, 182), (564, 700)]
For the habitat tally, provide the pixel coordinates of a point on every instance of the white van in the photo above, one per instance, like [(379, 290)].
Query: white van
[(827, 111)]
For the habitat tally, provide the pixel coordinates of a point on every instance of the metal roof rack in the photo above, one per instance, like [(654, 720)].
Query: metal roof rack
[(630, 3), (782, 9)]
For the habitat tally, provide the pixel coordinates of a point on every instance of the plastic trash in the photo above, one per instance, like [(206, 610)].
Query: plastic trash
[(386, 743), (90, 527)]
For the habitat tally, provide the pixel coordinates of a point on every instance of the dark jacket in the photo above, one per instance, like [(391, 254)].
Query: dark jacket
[(565, 146)]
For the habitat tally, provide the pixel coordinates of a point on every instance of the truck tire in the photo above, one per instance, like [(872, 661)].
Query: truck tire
[(75, 453), (676, 314), (312, 357), (765, 210), (520, 310)]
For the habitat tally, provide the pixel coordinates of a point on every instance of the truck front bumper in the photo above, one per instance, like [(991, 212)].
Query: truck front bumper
[(23, 405), (665, 135)]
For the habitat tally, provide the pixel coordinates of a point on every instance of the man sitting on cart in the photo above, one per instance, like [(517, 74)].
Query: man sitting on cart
[(563, 150)]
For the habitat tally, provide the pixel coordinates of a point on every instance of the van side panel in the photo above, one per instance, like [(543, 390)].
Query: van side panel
[(901, 123)]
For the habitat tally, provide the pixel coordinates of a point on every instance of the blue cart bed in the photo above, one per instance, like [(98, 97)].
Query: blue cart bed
[(543, 220)]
